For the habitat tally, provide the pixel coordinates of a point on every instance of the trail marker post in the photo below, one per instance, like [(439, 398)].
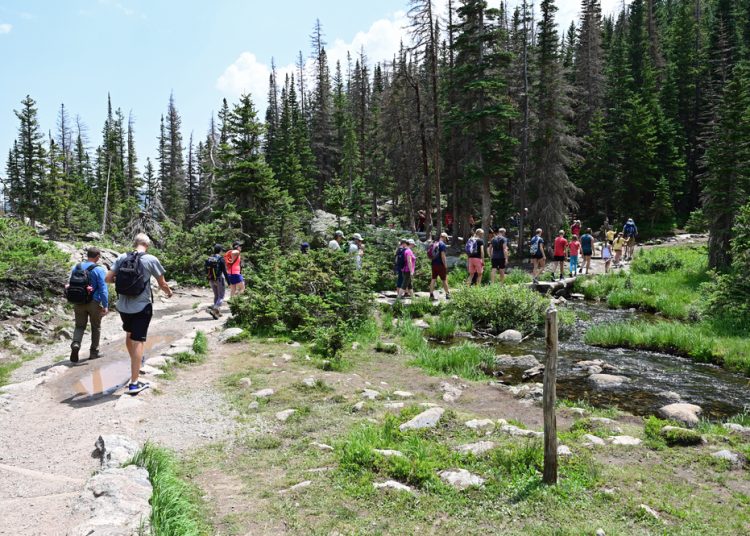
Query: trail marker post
[(550, 398)]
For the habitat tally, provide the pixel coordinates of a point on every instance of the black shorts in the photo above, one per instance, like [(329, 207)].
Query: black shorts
[(559, 258), (498, 264), (137, 323)]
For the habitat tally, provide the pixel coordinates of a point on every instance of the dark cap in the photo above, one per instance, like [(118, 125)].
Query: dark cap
[(236, 244)]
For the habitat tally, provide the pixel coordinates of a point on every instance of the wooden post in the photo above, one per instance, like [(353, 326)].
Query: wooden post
[(550, 398)]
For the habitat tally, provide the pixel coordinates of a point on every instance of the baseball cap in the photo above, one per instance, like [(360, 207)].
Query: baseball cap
[(339, 233), (357, 236)]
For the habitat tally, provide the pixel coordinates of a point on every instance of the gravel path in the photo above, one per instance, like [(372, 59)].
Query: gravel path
[(47, 433)]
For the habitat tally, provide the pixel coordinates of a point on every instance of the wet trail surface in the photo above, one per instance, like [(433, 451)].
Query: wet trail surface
[(719, 392)]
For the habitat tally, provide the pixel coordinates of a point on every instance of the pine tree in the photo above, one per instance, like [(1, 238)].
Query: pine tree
[(589, 66), (29, 157), (172, 167)]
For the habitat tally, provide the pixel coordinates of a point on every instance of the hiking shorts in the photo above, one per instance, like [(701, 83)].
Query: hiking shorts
[(498, 264), (587, 252), (406, 283), (400, 279), (476, 266), (559, 258), (235, 279), (439, 271), (630, 241), (137, 323)]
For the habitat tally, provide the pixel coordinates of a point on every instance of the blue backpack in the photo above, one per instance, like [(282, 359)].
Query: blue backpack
[(471, 246)]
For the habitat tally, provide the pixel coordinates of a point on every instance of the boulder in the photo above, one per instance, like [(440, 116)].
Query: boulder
[(228, 333), (115, 450), (285, 414), (151, 371), (324, 222), (592, 441), (92, 235), (309, 382), (359, 406), (480, 424), (533, 372), (624, 440), (477, 449), (157, 361), (427, 419), (403, 394), (460, 478), (421, 324), (683, 412), (263, 393), (735, 460), (451, 392), (389, 453), (392, 484), (529, 392), (608, 381), (519, 362), (116, 501), (564, 450), (510, 335), (370, 394), (515, 431), (245, 383)]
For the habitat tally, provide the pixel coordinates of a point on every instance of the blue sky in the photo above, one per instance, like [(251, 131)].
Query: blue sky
[(76, 51)]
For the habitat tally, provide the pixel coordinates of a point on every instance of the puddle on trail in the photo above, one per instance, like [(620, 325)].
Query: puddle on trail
[(109, 376)]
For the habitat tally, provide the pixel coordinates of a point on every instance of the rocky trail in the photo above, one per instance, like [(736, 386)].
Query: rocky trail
[(48, 428)]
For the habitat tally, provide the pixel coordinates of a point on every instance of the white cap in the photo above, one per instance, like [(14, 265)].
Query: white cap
[(339, 233), (357, 236)]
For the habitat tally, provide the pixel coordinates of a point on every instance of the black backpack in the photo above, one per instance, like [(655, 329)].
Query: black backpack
[(212, 268), (131, 280), (79, 285)]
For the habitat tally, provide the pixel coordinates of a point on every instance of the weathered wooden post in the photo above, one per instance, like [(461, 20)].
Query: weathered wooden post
[(550, 398)]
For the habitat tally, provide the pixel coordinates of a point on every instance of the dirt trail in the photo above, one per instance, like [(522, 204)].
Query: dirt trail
[(47, 431)]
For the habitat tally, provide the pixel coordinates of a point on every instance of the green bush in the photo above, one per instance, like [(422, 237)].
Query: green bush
[(380, 256), (200, 343), (442, 328), (298, 294), (697, 222), (499, 307)]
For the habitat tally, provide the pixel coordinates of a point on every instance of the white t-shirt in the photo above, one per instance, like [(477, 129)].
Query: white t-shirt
[(333, 245)]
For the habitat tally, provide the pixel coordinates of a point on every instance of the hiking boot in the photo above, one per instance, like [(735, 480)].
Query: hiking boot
[(94, 354), (447, 295), (137, 387), (432, 296), (212, 312), (535, 281), (74, 347)]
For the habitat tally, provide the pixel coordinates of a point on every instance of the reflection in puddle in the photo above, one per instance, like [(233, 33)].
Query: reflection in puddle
[(105, 379)]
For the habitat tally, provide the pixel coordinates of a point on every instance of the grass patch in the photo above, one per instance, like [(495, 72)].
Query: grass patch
[(386, 347), (6, 369), (200, 343), (657, 437), (610, 412), (442, 328), (176, 507), (696, 341)]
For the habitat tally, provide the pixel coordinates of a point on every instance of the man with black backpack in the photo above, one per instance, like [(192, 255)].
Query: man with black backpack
[(436, 253), (216, 272), (88, 293), (131, 273)]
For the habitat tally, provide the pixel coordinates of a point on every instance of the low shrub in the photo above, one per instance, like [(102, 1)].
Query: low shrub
[(299, 294), (380, 255), (442, 328), (200, 343), (497, 308), (697, 222), (386, 347)]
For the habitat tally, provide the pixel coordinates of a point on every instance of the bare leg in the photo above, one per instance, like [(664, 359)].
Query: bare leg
[(135, 349)]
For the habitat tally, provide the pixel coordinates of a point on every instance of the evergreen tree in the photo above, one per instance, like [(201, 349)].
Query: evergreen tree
[(589, 66), (172, 167), (27, 163)]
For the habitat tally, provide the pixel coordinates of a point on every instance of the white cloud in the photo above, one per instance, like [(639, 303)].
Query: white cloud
[(245, 75), (5, 28)]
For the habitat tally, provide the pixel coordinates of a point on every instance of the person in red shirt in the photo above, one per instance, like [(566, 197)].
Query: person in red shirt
[(559, 254), (575, 248)]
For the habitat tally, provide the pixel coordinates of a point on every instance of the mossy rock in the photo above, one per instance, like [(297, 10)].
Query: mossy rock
[(677, 436)]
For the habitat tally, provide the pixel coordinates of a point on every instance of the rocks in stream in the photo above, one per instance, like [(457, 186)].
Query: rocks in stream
[(533, 372), (510, 335), (595, 366), (685, 413), (523, 362), (608, 381)]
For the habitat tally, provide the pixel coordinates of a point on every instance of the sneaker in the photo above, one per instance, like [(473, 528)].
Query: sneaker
[(94, 354), (212, 312), (137, 387), (447, 296), (74, 347), (535, 281), (432, 296)]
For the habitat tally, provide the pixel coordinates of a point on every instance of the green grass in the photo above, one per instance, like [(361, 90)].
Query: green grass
[(657, 438), (200, 343), (6, 369), (176, 508), (386, 347), (442, 328), (697, 341)]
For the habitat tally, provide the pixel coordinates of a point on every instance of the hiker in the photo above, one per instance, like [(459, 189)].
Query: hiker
[(561, 244), (575, 229), (422, 220), (574, 248), (335, 244), (357, 249), (398, 265), (587, 250), (617, 245), (216, 272), (131, 273), (233, 261), (538, 256), (436, 252), (607, 255), (475, 251), (498, 251), (88, 293), (605, 229), (410, 265), (304, 248), (449, 221), (629, 232)]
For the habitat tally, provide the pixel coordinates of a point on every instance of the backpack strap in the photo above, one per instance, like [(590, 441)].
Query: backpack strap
[(91, 268)]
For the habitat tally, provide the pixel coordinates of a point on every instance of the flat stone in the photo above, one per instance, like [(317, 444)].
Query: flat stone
[(403, 394), (477, 448), (322, 446), (669, 395), (115, 450), (520, 362), (479, 424), (157, 362), (461, 478), (683, 412), (128, 403), (245, 383), (510, 335), (533, 372), (296, 487), (577, 411), (370, 394), (592, 440), (178, 350), (735, 460), (624, 440), (577, 296), (734, 427), (428, 405), (309, 382), (515, 431), (229, 333), (185, 341), (148, 370), (427, 419), (608, 381), (359, 406), (263, 393), (451, 392), (389, 453), (394, 405), (285, 414), (294, 344), (564, 450), (650, 511), (392, 484)]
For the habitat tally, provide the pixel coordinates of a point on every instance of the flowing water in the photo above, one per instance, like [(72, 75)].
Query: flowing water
[(719, 392)]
